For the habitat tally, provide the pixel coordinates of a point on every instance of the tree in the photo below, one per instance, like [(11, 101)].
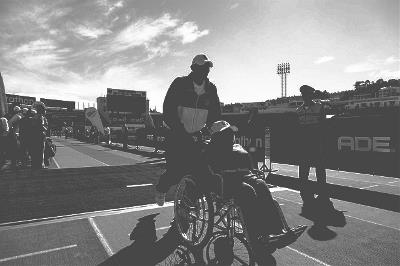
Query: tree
[(393, 83), (358, 84)]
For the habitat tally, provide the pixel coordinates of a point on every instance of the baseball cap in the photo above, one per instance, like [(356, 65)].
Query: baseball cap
[(17, 109), (201, 59), (306, 88)]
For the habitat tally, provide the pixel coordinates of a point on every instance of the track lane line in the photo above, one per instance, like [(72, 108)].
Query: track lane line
[(101, 238), (37, 253), (55, 162), (313, 174), (367, 221), (139, 185), (308, 256), (82, 215), (291, 166)]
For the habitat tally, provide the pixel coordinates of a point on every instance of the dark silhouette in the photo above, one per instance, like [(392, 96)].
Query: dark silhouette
[(146, 250), (141, 251)]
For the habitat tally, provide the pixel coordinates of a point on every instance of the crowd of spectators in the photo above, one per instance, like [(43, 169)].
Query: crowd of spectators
[(24, 137)]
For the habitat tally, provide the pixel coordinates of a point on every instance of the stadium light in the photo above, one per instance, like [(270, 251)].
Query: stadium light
[(283, 69)]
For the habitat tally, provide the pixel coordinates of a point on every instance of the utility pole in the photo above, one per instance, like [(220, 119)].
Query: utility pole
[(282, 70)]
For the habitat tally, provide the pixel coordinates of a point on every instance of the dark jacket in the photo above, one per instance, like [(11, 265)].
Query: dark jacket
[(185, 111)]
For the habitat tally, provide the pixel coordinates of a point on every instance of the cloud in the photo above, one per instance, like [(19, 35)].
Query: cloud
[(84, 87), (386, 74), (361, 67), (323, 59), (189, 32), (90, 32), (236, 5), (142, 32), (39, 55), (42, 15), (391, 60), (110, 7), (377, 68)]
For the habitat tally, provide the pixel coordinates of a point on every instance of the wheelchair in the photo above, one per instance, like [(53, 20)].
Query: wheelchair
[(212, 221)]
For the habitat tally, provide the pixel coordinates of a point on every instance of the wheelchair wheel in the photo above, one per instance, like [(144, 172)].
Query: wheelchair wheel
[(223, 221), (182, 255), (194, 213), (221, 250)]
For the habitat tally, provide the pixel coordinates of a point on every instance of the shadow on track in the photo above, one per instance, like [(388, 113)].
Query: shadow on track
[(146, 250), (323, 218)]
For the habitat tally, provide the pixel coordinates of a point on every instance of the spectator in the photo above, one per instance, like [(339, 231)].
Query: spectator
[(38, 134), (24, 136), (4, 130), (107, 133), (13, 138), (125, 137)]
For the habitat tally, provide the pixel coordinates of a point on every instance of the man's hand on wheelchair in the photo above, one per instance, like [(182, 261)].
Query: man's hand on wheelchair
[(201, 135)]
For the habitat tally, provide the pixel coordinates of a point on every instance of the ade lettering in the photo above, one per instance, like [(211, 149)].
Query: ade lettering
[(364, 144)]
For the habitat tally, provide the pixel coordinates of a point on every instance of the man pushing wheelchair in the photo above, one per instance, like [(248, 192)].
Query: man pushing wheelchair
[(191, 103)]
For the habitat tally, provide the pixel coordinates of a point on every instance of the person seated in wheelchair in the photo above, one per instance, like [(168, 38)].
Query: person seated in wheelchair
[(263, 218)]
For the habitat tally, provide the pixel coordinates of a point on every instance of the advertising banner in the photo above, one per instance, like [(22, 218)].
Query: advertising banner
[(19, 99), (364, 144), (69, 105), (118, 119), (93, 116), (359, 143), (129, 101)]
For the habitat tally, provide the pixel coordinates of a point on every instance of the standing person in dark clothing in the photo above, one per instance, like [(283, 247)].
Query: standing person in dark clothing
[(125, 137), (4, 129), (13, 135), (311, 116), (24, 136), (38, 134), (191, 103)]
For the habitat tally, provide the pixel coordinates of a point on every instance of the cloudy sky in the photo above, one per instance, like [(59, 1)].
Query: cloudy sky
[(75, 49)]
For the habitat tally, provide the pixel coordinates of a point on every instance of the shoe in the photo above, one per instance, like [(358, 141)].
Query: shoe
[(284, 239), (160, 198)]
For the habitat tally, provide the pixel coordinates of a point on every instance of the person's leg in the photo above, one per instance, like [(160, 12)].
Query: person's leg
[(246, 199), (306, 194), (269, 216), (23, 153), (41, 151), (37, 153)]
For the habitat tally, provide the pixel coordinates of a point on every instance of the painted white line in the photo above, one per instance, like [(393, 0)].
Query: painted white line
[(312, 174), (37, 253), (277, 165), (96, 160), (55, 162), (163, 228), (100, 236), (76, 216), (277, 189), (139, 185), (344, 185), (367, 221), (308, 256), (370, 186)]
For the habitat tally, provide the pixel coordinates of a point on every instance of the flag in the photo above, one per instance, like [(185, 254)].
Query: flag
[(92, 114), (3, 99)]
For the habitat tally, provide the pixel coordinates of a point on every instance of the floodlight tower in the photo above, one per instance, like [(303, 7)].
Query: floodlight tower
[(282, 70)]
